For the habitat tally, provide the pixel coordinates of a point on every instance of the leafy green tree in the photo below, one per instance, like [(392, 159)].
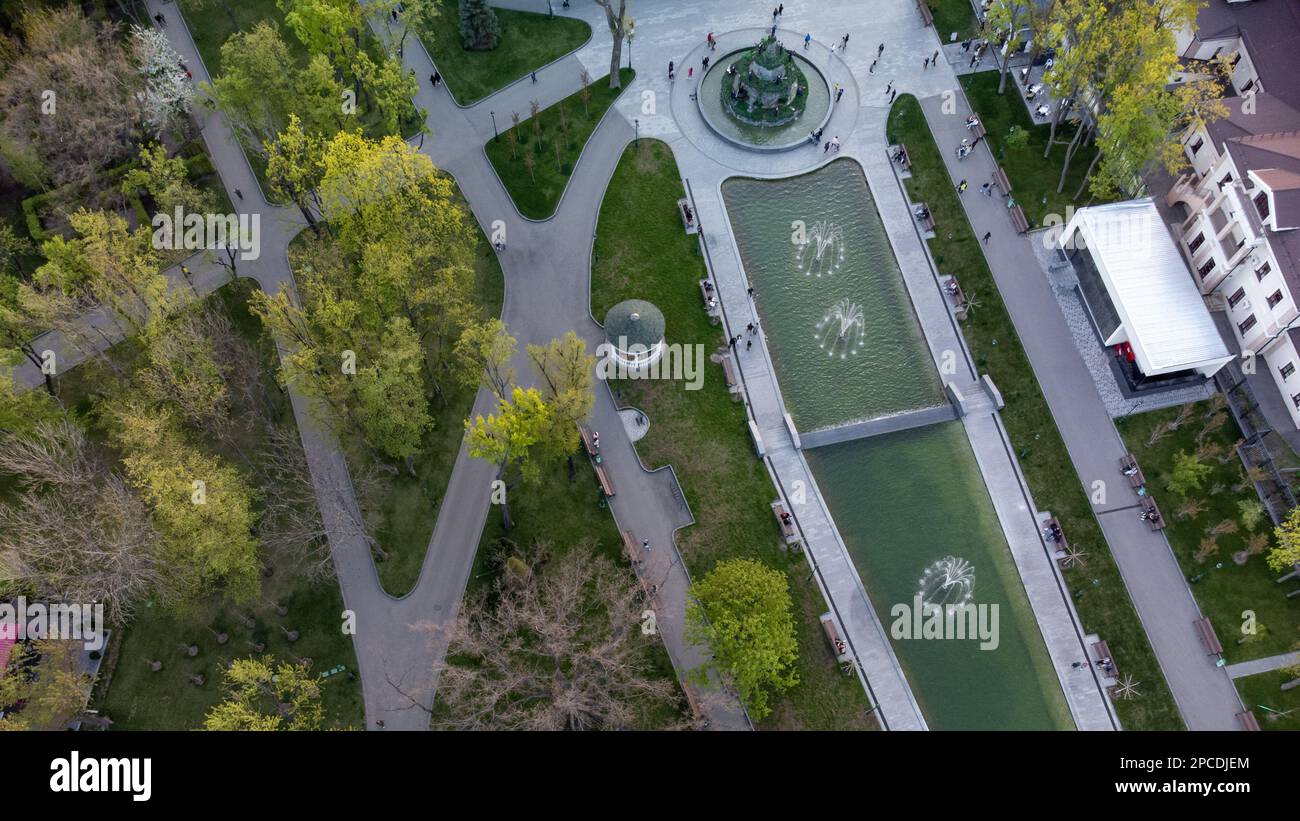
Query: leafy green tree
[(743, 610), (203, 508), (1188, 473), (264, 695), (392, 405), (479, 28), (507, 438), (1286, 554)]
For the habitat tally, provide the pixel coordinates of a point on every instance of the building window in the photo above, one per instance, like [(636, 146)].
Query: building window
[(1196, 243), (1287, 369), (1205, 269), (1262, 271), (1246, 324), (1261, 203), (1274, 299), (1198, 145), (1237, 296)]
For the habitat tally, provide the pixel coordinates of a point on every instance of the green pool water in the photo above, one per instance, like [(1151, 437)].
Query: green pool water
[(903, 503), (882, 365)]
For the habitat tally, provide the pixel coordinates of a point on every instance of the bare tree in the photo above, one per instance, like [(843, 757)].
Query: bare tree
[(617, 21), (555, 650), (75, 530)]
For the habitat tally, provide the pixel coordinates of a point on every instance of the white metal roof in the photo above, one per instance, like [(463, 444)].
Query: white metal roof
[(1148, 281)]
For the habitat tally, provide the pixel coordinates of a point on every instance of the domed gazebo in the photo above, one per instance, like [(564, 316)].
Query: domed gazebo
[(634, 329)]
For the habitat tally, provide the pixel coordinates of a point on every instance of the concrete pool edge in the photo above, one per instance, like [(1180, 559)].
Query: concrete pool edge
[(1059, 628)]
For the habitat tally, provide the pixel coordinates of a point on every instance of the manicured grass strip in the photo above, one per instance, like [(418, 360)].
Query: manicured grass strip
[(1224, 588), (551, 143), (1265, 690), (1100, 595), (642, 252), (136, 698), (1034, 177), (528, 42), (953, 15)]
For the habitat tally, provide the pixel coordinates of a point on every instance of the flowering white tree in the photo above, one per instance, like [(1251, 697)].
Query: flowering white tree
[(168, 94)]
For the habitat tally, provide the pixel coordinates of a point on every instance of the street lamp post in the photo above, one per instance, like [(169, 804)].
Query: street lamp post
[(496, 137)]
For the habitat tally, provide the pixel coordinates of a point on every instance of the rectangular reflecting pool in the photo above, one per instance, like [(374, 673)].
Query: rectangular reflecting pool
[(914, 513), (842, 334)]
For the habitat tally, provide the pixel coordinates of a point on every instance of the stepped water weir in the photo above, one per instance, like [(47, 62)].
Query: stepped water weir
[(895, 469)]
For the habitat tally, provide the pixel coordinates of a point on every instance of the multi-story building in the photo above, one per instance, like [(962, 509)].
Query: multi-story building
[(1240, 202)]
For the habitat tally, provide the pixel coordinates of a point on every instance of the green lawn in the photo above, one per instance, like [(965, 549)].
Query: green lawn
[(1033, 177), (953, 15), (564, 128), (1265, 690), (137, 698), (1101, 597), (1225, 589), (528, 42), (641, 251), (402, 510)]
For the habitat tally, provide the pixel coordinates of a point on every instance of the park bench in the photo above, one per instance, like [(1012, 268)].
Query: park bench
[(1019, 219), (1155, 519), (729, 371), (927, 16), (956, 295), (1206, 631), (1248, 721), (926, 221), (589, 444), (606, 484), (631, 546), (708, 293), (838, 645), (1127, 463), (689, 221), (1000, 177), (1051, 526), (787, 528), (1102, 651)]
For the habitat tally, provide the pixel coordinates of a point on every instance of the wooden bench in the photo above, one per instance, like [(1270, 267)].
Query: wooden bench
[(1153, 517), (952, 288), (926, 221), (1102, 650), (1000, 178), (927, 16), (589, 443), (1248, 721), (1019, 219), (606, 484), (1053, 526), (631, 546), (1128, 463), (729, 371), (838, 645), (787, 528), (1206, 631)]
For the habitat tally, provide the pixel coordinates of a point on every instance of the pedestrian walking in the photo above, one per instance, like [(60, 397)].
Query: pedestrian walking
[(239, 193), (807, 40), (987, 234), (872, 70), (961, 187), (880, 49), (534, 76), (839, 94)]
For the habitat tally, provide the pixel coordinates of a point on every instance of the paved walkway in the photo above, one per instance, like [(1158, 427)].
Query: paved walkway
[(1264, 665), (1204, 693)]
